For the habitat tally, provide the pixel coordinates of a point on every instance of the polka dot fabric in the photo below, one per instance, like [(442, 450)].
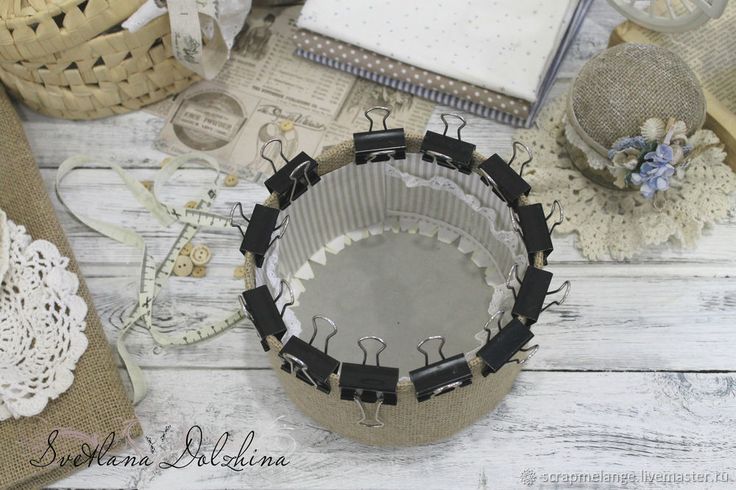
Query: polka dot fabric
[(501, 45), (379, 64)]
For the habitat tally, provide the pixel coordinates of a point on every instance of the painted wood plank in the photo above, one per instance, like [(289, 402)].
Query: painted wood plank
[(100, 193), (568, 423), (676, 323)]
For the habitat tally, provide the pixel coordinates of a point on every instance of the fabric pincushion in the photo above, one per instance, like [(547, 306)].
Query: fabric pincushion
[(621, 108)]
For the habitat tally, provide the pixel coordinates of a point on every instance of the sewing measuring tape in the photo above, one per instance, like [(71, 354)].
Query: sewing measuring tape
[(153, 277)]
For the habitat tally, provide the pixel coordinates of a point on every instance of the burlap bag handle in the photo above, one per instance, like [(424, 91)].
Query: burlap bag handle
[(409, 422), (96, 403)]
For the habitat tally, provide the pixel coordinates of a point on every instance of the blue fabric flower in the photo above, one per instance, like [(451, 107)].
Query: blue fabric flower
[(638, 142), (653, 176), (664, 154)]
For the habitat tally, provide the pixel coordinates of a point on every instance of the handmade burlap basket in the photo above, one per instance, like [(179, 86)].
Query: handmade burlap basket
[(31, 29), (619, 89), (96, 403), (409, 422)]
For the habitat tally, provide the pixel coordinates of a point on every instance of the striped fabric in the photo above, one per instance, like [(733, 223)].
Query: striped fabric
[(430, 94), (356, 197)]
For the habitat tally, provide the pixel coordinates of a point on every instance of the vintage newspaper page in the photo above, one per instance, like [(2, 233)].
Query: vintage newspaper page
[(266, 92), (710, 50)]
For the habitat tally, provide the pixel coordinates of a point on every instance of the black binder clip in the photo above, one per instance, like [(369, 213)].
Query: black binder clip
[(294, 178), (260, 308), (442, 376), (308, 363), (529, 300), (381, 145), (532, 225), (503, 179), (502, 347), (369, 384), (447, 151), (257, 235)]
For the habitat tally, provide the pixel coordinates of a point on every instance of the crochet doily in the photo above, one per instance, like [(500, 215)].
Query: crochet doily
[(622, 223), (42, 322)]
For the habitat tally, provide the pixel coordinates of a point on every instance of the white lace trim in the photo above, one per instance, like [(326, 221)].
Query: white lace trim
[(501, 299), (42, 322), (622, 223), (595, 159)]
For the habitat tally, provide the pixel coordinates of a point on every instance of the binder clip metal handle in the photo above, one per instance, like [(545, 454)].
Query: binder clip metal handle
[(308, 363), (560, 220), (293, 178), (292, 299), (281, 153), (297, 366), (363, 383), (376, 422), (258, 235), (515, 145), (238, 207), (365, 352), (453, 153), (462, 120), (559, 302), (441, 376), (314, 330), (534, 288), (439, 348), (300, 172), (386, 113), (380, 145), (502, 347), (487, 327)]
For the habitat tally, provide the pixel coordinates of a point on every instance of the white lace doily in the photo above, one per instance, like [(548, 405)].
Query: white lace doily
[(622, 223), (42, 322)]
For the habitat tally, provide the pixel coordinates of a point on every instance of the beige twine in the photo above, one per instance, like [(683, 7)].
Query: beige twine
[(408, 423)]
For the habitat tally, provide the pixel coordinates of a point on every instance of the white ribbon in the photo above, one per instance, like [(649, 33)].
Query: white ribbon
[(202, 31)]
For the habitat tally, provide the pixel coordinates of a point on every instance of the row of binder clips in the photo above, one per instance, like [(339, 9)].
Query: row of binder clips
[(373, 383)]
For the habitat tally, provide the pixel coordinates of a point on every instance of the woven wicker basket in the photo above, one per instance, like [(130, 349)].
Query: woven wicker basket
[(32, 29), (110, 57), (115, 72), (103, 99)]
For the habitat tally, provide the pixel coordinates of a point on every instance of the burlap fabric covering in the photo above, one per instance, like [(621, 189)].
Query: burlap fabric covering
[(96, 403), (620, 88), (408, 423)]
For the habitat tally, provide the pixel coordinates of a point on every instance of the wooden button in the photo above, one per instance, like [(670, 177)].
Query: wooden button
[(186, 249), (199, 271), (191, 204), (286, 125), (239, 272), (231, 181), (183, 266), (200, 255)]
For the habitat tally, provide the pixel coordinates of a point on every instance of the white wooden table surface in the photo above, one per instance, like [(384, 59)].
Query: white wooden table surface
[(635, 374)]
